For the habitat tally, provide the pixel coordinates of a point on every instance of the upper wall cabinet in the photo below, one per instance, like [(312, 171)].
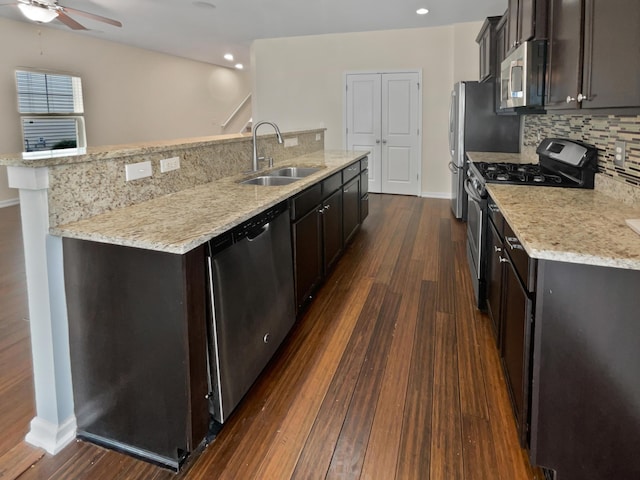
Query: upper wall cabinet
[(593, 54), (527, 20), (486, 40)]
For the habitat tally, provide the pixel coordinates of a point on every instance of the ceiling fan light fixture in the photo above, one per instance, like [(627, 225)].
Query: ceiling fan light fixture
[(37, 14)]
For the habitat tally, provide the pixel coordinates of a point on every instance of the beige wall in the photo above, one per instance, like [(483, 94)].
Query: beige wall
[(298, 82), (130, 95)]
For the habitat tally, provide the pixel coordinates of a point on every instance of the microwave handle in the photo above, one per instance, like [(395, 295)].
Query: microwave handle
[(511, 66)]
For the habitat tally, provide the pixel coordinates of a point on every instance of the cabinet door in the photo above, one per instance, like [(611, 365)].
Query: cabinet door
[(494, 280), (512, 25), (611, 57), (307, 256), (564, 54), (516, 336), (526, 20), (351, 208), (332, 229)]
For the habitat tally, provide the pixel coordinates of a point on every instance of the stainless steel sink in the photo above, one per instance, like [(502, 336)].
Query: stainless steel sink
[(270, 181), (298, 172)]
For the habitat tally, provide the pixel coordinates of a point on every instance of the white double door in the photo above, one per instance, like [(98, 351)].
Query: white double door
[(383, 115)]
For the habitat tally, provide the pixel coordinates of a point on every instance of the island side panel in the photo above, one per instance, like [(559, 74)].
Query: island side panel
[(586, 388), (130, 336)]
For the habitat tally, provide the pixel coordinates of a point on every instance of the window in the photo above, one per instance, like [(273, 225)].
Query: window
[(51, 114)]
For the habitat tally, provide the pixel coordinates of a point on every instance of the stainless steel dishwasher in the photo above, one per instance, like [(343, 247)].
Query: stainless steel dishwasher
[(252, 304)]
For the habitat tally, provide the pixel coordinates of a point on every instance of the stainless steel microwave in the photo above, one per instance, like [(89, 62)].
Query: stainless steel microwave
[(522, 76)]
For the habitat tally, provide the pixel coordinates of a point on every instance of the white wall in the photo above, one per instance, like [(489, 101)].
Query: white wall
[(130, 94), (298, 82)]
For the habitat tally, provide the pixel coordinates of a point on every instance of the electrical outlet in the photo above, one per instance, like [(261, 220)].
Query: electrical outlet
[(168, 164), (318, 137), (620, 153), (134, 171), (291, 142)]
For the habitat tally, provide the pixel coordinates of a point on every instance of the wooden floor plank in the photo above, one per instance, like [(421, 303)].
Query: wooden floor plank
[(351, 447), (18, 459)]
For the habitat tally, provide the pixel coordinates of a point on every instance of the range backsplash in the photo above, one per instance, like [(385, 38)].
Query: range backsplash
[(602, 131)]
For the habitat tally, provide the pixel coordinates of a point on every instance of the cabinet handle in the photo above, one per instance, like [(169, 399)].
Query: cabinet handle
[(503, 260), (327, 207), (494, 208), (496, 249), (322, 210), (513, 243), (582, 97), (570, 99)]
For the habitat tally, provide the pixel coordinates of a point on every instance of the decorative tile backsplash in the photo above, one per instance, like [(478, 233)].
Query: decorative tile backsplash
[(602, 131)]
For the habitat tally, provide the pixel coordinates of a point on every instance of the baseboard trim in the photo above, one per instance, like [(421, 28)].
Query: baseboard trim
[(9, 203), (52, 438), (442, 195)]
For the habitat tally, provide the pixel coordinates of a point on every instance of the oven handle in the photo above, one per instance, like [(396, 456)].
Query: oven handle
[(452, 168), (471, 192)]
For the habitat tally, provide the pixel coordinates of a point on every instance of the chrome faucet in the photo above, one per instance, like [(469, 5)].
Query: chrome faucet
[(255, 143)]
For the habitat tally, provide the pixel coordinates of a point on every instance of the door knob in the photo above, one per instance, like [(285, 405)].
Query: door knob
[(384, 141), (378, 140)]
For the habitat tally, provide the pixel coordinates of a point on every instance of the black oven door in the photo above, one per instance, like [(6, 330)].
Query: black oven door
[(475, 239)]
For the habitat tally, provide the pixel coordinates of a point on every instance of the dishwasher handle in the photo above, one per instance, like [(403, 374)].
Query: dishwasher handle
[(253, 234)]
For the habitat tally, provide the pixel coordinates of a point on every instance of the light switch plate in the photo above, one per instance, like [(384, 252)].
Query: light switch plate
[(318, 137), (291, 142), (169, 164), (134, 171), (634, 224)]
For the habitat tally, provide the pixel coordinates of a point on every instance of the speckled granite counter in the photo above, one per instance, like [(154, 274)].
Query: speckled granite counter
[(179, 222), (570, 225)]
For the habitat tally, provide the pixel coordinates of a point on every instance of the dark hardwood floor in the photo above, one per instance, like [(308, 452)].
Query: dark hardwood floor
[(391, 373)]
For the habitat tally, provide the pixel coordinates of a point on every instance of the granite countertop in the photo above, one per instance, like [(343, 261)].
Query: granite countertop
[(181, 221), (570, 224)]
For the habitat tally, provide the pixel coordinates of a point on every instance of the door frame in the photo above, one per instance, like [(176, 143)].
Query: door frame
[(417, 71)]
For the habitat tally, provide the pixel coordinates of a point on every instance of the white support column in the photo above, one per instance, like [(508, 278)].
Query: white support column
[(55, 424)]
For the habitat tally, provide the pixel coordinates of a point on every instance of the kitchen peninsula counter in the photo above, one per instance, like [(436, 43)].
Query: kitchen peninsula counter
[(180, 221)]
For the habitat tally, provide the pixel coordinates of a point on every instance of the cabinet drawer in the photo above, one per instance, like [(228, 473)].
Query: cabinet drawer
[(364, 182), (350, 172), (364, 164), (331, 184), (496, 216), (522, 263), (305, 201)]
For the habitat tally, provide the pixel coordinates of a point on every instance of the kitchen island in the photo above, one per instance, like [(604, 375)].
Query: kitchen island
[(576, 322), (64, 191)]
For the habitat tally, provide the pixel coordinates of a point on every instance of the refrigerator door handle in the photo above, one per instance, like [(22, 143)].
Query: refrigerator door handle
[(451, 122), (452, 168)]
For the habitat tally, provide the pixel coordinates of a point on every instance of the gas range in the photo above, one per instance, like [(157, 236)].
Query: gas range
[(562, 163)]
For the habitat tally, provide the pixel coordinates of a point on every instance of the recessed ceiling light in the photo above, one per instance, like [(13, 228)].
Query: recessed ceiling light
[(422, 11), (228, 56), (239, 66)]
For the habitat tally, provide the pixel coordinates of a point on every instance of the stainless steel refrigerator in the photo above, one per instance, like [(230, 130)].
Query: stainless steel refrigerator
[(474, 127)]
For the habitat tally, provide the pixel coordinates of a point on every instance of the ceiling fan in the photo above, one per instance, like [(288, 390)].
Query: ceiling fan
[(44, 11)]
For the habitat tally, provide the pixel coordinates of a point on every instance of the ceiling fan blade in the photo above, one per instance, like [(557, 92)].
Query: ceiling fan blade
[(70, 22), (93, 16)]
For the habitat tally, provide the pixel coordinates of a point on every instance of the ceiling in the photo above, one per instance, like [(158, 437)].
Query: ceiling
[(206, 30)]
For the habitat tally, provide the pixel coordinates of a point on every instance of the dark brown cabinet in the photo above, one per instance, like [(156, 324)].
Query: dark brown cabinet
[(486, 41), (324, 218), (527, 20), (494, 279), (351, 208), (593, 54), (137, 337), (510, 296)]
